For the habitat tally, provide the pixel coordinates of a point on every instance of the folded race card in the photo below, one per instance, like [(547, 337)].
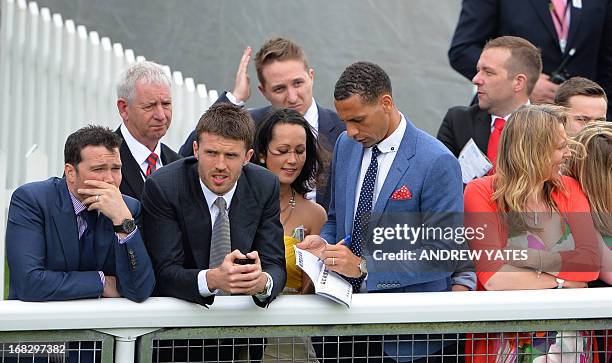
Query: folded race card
[(326, 283)]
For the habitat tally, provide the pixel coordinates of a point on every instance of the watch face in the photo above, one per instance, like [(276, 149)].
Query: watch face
[(128, 225)]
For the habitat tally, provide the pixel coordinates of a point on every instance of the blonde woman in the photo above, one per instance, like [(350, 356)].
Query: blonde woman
[(527, 205), (594, 172)]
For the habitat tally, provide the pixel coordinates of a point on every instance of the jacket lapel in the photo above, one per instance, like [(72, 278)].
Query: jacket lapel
[(398, 169), (197, 219), (542, 9), (66, 227), (241, 216), (482, 130), (353, 169), (575, 17), (130, 171)]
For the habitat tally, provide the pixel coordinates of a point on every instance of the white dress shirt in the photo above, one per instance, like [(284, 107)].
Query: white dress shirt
[(140, 152), (213, 210)]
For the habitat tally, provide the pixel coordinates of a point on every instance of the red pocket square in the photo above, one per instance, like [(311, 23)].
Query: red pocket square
[(402, 193)]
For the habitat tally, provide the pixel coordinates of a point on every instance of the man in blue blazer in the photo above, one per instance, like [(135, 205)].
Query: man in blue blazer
[(585, 45), (77, 237), (286, 81), (386, 172)]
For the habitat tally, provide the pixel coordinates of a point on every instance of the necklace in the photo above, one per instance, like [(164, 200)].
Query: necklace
[(290, 204)]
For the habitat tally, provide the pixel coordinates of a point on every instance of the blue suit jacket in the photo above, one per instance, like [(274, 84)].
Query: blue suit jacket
[(433, 176), (330, 128), (43, 247)]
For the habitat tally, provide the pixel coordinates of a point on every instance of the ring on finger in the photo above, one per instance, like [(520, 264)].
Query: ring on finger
[(97, 197), (333, 261)]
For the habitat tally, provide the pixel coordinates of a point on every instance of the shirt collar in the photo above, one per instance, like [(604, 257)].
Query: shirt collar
[(493, 117), (76, 203), (138, 150), (312, 115), (393, 141), (211, 197)]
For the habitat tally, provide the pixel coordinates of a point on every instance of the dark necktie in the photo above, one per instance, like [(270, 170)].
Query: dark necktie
[(87, 259), (362, 215), (151, 163), (492, 147)]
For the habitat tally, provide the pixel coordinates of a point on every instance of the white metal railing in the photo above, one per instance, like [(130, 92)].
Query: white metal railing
[(55, 77), (127, 320)]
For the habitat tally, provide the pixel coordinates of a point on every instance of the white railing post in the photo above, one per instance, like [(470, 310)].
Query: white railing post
[(58, 77)]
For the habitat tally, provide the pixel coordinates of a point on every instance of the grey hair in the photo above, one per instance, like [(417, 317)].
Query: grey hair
[(145, 72)]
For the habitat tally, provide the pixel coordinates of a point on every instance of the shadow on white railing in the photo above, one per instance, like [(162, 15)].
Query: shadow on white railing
[(56, 76)]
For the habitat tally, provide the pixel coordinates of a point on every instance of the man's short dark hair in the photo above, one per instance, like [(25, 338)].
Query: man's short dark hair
[(524, 58), (365, 79), (228, 121), (91, 135), (277, 49), (578, 86)]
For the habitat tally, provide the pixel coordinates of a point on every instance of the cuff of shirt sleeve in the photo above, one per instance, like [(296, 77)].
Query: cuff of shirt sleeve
[(467, 279), (203, 285), (127, 238), (102, 280), (269, 285), (230, 96)]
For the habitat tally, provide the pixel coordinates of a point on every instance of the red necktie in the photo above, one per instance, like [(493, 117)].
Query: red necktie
[(152, 163), (498, 126)]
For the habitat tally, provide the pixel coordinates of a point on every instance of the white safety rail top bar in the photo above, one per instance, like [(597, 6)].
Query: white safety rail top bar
[(428, 307)]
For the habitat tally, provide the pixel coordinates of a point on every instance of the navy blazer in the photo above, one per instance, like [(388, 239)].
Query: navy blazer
[(178, 229), (590, 34), (132, 181), (43, 248), (330, 127)]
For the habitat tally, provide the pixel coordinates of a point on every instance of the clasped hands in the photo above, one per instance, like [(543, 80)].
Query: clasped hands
[(237, 279), (337, 257)]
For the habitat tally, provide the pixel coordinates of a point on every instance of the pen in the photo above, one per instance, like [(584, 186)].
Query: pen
[(347, 240)]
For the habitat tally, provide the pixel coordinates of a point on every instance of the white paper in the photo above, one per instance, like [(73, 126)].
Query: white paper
[(474, 163), (326, 283)]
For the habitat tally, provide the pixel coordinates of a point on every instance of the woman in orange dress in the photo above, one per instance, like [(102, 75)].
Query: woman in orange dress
[(528, 206)]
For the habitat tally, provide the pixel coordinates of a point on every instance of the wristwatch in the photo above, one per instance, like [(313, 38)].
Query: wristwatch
[(560, 283), (127, 226), (363, 267)]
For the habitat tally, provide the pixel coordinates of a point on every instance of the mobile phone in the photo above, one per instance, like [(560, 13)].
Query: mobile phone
[(244, 261)]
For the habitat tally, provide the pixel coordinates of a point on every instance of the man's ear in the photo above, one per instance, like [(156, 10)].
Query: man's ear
[(70, 172), (195, 149), (122, 107), (248, 156), (386, 101), (520, 82), (311, 74)]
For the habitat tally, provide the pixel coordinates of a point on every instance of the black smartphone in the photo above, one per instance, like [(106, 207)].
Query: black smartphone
[(244, 261)]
